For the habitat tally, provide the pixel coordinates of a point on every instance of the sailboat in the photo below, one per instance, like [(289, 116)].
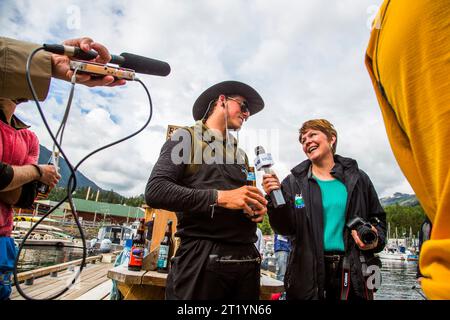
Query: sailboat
[(413, 249), (396, 248)]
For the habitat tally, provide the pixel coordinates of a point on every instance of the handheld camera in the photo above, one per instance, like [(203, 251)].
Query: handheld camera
[(364, 230)]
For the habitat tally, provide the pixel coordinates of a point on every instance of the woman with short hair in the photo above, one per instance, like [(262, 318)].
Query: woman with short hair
[(328, 199)]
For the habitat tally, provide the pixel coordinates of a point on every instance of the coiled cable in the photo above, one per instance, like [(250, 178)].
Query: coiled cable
[(72, 183)]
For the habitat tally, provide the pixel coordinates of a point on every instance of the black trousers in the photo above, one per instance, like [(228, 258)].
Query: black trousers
[(333, 278), (207, 270)]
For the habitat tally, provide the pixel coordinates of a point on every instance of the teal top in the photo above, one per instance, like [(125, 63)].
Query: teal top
[(334, 199)]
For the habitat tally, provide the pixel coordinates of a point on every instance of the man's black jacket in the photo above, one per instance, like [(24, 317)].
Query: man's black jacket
[(191, 195)]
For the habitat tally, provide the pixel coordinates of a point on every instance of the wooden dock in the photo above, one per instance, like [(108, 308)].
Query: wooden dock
[(92, 284)]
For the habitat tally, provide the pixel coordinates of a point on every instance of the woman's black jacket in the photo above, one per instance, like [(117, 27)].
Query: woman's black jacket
[(305, 274)]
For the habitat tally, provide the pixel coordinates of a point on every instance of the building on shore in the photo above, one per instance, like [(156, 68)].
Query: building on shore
[(90, 212)]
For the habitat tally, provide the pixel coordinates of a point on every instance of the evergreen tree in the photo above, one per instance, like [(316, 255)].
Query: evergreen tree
[(265, 227), (404, 218)]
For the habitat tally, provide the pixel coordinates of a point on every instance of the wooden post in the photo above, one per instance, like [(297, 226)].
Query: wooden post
[(87, 194), (159, 226)]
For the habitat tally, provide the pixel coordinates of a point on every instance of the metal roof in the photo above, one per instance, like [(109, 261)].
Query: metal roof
[(112, 209)]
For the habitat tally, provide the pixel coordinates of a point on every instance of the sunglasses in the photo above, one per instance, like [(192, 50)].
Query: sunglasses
[(242, 104)]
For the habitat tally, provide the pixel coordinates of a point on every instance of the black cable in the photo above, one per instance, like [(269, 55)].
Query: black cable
[(419, 291), (71, 185), (16, 281)]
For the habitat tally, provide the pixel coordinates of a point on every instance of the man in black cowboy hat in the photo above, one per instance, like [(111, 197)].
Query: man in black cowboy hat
[(217, 213)]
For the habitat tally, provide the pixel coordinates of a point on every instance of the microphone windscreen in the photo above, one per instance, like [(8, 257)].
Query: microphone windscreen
[(259, 150), (145, 65)]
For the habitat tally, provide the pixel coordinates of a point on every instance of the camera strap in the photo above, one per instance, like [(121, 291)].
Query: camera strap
[(345, 279)]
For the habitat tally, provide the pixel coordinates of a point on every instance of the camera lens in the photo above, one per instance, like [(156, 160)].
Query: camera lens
[(367, 235)]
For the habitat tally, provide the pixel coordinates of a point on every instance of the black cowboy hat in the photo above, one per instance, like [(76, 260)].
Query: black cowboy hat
[(202, 104)]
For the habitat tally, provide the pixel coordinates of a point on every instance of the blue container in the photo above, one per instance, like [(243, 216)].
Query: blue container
[(128, 243)]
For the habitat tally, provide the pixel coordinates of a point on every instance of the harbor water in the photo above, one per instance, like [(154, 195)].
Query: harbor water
[(35, 257), (398, 279)]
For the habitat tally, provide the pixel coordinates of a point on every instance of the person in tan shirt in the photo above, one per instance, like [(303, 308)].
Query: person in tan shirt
[(13, 58)]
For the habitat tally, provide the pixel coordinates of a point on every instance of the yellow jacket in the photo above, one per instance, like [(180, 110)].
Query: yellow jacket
[(13, 58), (408, 59)]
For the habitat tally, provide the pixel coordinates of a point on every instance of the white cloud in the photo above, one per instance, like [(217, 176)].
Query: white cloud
[(306, 58)]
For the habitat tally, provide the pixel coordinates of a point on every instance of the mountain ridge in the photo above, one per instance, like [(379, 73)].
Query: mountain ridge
[(402, 199), (64, 171)]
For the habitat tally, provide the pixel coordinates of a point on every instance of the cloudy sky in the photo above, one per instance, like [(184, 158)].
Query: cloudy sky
[(306, 58)]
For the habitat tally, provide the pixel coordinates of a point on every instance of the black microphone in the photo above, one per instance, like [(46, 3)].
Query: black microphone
[(70, 51), (264, 161), (137, 63), (141, 64)]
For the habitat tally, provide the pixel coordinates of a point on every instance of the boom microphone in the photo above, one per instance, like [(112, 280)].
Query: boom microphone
[(141, 64), (137, 63), (264, 161)]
